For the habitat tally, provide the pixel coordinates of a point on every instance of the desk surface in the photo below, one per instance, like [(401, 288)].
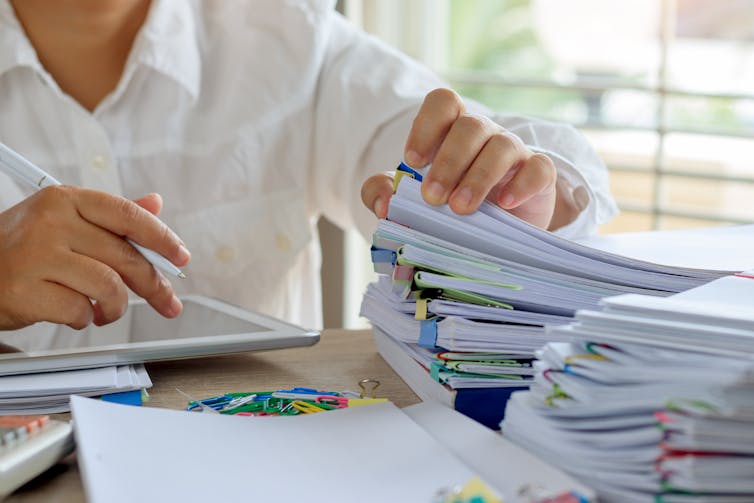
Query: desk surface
[(338, 362)]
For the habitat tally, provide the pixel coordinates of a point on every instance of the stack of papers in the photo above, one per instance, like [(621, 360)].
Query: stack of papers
[(49, 392), (375, 453), (653, 400), (468, 296)]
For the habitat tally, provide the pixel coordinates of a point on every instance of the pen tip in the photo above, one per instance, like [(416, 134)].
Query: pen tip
[(181, 275)]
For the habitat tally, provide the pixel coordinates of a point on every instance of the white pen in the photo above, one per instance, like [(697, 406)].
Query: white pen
[(13, 163)]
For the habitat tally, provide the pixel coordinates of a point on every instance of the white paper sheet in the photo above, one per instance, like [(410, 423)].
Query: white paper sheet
[(715, 248), (373, 454)]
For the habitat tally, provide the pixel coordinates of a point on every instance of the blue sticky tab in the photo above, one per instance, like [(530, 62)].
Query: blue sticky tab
[(125, 398), (411, 171), (428, 333), (380, 255)]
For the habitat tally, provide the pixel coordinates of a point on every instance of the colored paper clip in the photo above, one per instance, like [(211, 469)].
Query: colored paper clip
[(338, 402), (215, 402), (306, 407), (239, 401), (302, 396), (402, 170), (307, 391)]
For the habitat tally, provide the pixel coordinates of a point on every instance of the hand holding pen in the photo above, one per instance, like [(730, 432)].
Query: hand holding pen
[(64, 247)]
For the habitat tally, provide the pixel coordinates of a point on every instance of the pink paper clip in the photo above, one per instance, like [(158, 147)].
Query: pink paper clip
[(341, 402)]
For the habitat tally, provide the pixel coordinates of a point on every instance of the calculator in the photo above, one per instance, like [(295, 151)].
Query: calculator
[(29, 445)]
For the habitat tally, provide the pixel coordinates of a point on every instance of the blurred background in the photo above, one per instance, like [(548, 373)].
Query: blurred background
[(664, 90)]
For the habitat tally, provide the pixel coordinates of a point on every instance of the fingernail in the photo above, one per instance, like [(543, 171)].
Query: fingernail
[(507, 200), (380, 207), (183, 254), (176, 306), (435, 193), (413, 159), (462, 197)]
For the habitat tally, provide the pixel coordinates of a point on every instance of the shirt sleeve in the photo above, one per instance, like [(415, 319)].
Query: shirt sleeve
[(367, 98)]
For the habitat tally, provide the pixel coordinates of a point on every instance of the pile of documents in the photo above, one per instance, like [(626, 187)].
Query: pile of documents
[(382, 454), (49, 392), (467, 297), (653, 400)]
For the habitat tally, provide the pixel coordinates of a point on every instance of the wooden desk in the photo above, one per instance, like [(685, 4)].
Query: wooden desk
[(337, 362)]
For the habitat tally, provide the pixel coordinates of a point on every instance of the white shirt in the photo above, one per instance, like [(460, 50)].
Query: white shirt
[(252, 118)]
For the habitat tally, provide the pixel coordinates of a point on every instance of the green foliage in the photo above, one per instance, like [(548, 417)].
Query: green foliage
[(497, 36)]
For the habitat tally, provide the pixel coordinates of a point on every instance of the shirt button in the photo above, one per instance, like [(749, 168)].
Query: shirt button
[(225, 254), (99, 163), (283, 242)]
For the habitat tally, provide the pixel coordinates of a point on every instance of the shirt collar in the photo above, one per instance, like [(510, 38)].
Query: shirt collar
[(15, 48), (167, 43)]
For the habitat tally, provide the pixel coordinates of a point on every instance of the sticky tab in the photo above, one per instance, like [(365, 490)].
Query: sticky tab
[(408, 170), (358, 402), (403, 273), (421, 309), (428, 333), (380, 255), (125, 397), (405, 170), (435, 367)]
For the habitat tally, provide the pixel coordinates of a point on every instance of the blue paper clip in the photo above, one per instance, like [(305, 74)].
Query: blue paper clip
[(411, 171), (308, 391), (216, 402)]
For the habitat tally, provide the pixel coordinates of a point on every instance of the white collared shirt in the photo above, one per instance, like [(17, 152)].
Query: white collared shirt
[(252, 118)]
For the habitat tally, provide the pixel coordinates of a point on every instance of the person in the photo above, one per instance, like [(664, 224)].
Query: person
[(251, 119)]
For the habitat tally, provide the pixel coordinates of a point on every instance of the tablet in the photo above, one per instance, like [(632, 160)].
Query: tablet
[(206, 327)]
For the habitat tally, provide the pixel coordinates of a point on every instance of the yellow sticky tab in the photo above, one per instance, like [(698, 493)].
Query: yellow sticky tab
[(477, 491), (421, 309), (397, 179), (358, 402)]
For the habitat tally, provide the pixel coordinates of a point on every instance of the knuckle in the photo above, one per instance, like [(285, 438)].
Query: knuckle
[(80, 313), (55, 193), (506, 142), (168, 236), (445, 169), (421, 122), (130, 256), (47, 206), (544, 166), (111, 285), (445, 96), (473, 124), (482, 174), (130, 210), (160, 288)]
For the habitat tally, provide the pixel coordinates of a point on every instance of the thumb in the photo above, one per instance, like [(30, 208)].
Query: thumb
[(151, 202), (376, 192)]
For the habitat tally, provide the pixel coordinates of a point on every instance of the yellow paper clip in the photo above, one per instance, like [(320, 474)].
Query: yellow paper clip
[(306, 407)]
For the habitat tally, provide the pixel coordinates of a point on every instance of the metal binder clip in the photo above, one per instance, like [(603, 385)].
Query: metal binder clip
[(371, 393)]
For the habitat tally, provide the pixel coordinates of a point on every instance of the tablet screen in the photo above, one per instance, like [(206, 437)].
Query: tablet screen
[(140, 324)]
